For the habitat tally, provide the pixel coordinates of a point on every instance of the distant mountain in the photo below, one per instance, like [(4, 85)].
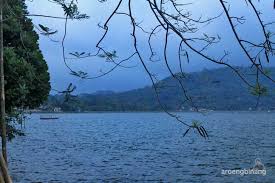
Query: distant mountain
[(103, 92), (218, 89)]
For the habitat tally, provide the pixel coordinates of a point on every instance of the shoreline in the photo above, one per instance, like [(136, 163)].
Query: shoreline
[(87, 112)]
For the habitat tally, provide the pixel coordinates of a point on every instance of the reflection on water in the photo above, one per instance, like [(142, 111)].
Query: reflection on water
[(128, 147)]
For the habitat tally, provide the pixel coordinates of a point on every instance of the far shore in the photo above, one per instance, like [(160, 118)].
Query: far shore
[(212, 111)]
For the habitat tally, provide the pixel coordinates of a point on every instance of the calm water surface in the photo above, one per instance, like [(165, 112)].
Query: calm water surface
[(143, 147)]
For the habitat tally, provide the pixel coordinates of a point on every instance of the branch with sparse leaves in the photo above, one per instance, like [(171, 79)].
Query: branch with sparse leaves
[(172, 17)]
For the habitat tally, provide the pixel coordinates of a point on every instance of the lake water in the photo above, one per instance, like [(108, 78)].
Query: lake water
[(143, 147)]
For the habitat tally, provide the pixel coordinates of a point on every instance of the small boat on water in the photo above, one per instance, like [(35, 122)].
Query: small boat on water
[(48, 117)]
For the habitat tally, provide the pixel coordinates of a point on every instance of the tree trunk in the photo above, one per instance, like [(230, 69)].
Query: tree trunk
[(2, 88), (4, 170)]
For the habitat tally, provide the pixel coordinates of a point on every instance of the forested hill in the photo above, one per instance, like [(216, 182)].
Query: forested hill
[(218, 89)]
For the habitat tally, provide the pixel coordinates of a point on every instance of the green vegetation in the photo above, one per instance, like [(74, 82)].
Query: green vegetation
[(26, 72), (218, 89)]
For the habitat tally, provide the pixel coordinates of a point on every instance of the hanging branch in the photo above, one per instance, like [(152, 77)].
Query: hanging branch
[(173, 18)]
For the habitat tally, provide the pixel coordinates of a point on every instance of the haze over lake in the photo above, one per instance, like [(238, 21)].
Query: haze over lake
[(128, 147)]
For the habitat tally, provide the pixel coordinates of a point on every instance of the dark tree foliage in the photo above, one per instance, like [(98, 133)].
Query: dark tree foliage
[(26, 72)]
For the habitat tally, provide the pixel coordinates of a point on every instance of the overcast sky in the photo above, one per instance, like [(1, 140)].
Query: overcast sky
[(83, 36)]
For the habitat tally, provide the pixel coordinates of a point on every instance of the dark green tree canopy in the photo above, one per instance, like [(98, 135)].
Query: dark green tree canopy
[(26, 72)]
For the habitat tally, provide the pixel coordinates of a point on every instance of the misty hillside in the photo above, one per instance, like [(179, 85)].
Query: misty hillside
[(218, 89)]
